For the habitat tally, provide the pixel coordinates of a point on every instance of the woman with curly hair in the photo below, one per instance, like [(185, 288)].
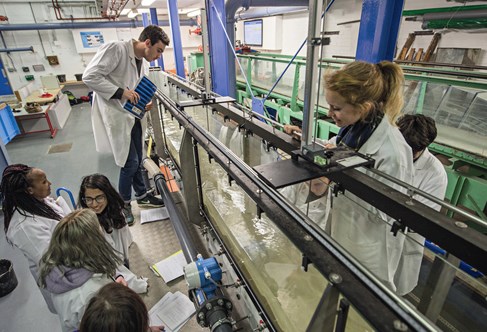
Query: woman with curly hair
[(98, 194)]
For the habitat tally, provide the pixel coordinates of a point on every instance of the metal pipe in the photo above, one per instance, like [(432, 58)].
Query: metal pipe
[(310, 89), (230, 11), (413, 190), (85, 25), (177, 216), (456, 16), (20, 49), (269, 11)]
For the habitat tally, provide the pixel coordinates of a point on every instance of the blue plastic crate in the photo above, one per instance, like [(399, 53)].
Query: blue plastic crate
[(8, 126)]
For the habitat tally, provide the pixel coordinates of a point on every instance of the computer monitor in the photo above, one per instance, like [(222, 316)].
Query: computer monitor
[(253, 32)]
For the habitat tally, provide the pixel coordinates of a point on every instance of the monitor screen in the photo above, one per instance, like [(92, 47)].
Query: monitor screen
[(253, 32)]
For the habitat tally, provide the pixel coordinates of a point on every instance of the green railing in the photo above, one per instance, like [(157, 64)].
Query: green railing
[(457, 103)]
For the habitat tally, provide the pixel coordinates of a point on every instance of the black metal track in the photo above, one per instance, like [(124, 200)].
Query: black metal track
[(466, 244), (371, 301)]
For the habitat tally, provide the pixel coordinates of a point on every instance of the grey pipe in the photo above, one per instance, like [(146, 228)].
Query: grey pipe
[(85, 25), (265, 12), (178, 217), (20, 49), (458, 15), (231, 7)]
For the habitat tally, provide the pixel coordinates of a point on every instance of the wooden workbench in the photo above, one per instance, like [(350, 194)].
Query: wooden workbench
[(35, 97)]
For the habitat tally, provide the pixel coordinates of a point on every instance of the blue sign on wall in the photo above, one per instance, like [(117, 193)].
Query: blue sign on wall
[(92, 39)]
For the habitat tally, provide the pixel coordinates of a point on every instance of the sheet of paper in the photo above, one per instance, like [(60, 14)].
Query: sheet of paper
[(172, 267), (150, 215), (172, 311)]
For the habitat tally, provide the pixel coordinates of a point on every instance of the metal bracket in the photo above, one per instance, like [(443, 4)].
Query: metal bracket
[(320, 41), (205, 99), (305, 263)]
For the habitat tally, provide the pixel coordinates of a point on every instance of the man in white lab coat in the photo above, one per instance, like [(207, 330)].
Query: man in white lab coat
[(112, 75), (429, 176)]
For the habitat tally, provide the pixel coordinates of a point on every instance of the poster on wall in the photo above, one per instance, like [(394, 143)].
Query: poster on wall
[(91, 39)]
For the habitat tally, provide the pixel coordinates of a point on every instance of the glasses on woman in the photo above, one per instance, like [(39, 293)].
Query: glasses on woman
[(90, 200)]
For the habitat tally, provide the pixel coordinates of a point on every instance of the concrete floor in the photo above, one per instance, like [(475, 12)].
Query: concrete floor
[(24, 309)]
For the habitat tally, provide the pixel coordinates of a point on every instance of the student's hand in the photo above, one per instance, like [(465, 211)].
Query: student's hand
[(319, 186), (148, 107), (121, 280), (156, 328), (131, 95), (289, 129)]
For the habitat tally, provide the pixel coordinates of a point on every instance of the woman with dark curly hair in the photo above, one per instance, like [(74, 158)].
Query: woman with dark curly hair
[(98, 194), (30, 215)]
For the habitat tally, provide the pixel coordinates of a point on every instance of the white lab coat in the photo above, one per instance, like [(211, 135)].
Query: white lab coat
[(316, 210), (120, 240), (429, 176), (71, 305), (358, 226), (32, 234), (113, 67)]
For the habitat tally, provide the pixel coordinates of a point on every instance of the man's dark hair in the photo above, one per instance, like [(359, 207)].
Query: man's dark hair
[(155, 34), (418, 130)]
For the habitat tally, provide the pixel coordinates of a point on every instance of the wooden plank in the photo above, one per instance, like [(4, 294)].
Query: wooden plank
[(411, 54), (407, 45), (432, 47), (419, 53)]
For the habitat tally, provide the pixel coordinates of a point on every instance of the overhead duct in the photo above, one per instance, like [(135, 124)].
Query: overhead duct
[(85, 25), (231, 8), (265, 12)]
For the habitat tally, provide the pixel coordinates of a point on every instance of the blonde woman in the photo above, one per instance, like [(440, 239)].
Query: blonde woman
[(78, 262), (364, 101)]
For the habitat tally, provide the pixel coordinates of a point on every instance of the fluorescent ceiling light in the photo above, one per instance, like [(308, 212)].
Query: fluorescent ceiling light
[(147, 3), (125, 11), (132, 13), (194, 13)]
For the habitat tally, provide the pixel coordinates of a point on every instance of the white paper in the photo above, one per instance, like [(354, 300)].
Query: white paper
[(172, 267), (172, 311), (149, 215)]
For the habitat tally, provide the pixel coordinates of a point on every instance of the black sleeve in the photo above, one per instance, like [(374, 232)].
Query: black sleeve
[(118, 94)]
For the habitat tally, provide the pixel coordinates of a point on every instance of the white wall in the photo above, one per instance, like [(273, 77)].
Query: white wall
[(61, 43)]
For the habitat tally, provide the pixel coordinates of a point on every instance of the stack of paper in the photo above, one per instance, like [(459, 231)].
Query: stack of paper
[(172, 267), (149, 215), (172, 311)]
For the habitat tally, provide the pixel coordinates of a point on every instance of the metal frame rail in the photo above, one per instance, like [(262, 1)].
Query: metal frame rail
[(383, 310)]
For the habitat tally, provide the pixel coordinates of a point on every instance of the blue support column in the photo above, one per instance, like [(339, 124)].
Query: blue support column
[(172, 5), (155, 21), (219, 57), (145, 22), (379, 26)]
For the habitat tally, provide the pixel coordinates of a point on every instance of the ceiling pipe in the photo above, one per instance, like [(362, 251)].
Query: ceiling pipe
[(456, 16), (86, 25), (19, 49), (266, 12)]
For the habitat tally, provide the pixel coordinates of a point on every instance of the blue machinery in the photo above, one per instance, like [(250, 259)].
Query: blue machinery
[(204, 281)]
